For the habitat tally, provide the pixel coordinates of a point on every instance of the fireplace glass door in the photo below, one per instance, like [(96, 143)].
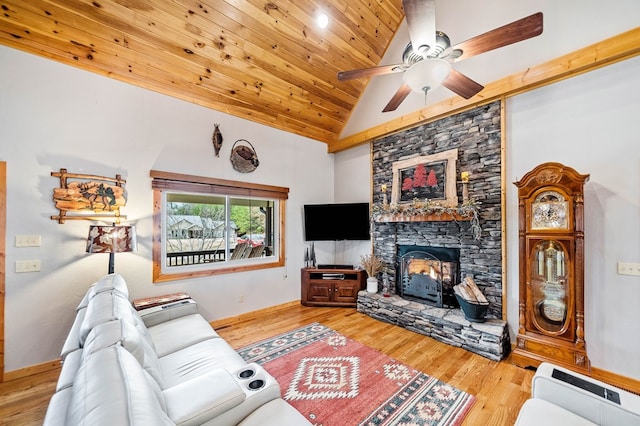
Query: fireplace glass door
[(425, 278)]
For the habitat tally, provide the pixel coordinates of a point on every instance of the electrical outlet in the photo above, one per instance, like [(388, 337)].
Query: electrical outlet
[(27, 265), (241, 298), (33, 240), (628, 268)]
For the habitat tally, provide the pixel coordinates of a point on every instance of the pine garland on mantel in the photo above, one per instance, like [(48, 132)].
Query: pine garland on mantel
[(414, 211)]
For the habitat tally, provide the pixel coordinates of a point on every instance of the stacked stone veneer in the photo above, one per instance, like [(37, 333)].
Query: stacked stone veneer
[(476, 135), (489, 339)]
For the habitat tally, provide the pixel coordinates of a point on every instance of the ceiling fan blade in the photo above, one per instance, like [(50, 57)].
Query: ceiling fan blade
[(369, 72), (400, 95), (519, 30), (421, 20), (461, 84)]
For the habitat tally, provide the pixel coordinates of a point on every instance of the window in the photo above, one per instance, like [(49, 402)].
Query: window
[(205, 226)]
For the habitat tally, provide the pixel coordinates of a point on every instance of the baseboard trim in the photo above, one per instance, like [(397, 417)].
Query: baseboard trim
[(225, 322), (617, 380), (622, 382), (31, 370)]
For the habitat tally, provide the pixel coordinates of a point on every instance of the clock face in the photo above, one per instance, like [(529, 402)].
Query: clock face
[(549, 211)]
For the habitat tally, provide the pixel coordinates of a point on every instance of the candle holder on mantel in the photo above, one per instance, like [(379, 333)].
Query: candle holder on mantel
[(464, 179), (385, 201)]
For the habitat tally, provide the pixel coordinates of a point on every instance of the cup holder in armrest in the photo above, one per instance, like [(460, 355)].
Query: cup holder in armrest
[(246, 374), (254, 380), (256, 384)]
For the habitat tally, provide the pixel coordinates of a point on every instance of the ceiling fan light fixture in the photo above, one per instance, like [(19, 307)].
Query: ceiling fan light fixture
[(427, 75)]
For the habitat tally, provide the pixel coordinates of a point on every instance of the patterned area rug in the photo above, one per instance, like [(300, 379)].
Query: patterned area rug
[(336, 381)]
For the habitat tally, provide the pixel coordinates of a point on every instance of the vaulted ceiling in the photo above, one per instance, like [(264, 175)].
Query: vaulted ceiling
[(266, 61), (269, 62)]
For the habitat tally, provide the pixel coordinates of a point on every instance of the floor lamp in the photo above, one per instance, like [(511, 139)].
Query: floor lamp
[(111, 239)]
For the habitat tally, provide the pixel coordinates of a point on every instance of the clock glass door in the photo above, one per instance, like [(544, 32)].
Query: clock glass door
[(549, 287)]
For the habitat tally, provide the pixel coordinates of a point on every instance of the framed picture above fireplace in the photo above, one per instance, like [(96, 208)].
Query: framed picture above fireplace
[(431, 177)]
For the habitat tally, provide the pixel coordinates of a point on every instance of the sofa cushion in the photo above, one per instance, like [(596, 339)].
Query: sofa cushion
[(111, 388), (108, 306), (179, 333), (206, 397), (192, 361), (535, 412), (127, 335), (276, 412), (70, 367), (72, 342), (112, 282), (57, 410), (88, 295)]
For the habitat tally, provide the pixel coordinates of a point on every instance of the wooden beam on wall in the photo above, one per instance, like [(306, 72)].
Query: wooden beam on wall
[(606, 52), (3, 224)]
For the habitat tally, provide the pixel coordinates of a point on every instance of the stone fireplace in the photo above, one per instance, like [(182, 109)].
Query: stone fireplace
[(476, 136)]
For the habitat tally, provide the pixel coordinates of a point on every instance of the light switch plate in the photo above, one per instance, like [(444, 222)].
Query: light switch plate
[(27, 265), (628, 268), (33, 240)]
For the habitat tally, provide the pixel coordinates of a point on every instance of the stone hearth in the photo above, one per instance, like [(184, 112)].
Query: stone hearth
[(489, 339)]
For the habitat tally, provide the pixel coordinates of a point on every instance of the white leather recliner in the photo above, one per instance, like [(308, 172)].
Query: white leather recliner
[(565, 398), (159, 366)]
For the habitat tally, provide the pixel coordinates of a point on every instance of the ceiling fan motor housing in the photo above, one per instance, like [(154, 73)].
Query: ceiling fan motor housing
[(410, 56)]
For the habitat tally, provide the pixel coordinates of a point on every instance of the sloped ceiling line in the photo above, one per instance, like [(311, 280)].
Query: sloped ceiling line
[(606, 52)]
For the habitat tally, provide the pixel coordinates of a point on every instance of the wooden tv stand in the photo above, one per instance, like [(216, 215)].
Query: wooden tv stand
[(332, 287)]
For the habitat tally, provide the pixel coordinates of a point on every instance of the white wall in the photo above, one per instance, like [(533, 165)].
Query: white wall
[(54, 116), (590, 123)]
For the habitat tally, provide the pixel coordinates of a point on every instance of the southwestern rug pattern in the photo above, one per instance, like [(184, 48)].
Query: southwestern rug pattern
[(336, 381)]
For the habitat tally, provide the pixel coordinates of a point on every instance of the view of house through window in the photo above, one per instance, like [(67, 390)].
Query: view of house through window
[(205, 229), (206, 226)]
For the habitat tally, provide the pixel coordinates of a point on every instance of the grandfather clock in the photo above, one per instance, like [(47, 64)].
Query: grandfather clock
[(551, 256)]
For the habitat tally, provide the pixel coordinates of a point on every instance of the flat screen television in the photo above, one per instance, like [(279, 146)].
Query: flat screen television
[(336, 222)]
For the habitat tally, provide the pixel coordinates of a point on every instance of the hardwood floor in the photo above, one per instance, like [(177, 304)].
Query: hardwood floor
[(500, 387)]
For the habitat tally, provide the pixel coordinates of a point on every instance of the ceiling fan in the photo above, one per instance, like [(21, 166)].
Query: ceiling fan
[(429, 65)]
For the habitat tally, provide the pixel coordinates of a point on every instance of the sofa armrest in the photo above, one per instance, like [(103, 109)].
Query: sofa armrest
[(600, 403), (202, 398), (169, 311)]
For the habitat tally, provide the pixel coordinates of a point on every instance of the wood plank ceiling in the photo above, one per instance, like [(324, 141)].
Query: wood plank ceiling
[(265, 61)]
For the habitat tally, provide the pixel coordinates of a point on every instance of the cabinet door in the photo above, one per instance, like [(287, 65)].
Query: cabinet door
[(319, 292), (345, 292)]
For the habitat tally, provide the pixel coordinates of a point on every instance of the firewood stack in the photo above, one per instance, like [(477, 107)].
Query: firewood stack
[(469, 291)]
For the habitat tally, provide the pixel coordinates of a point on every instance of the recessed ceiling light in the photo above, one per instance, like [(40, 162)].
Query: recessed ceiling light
[(322, 20)]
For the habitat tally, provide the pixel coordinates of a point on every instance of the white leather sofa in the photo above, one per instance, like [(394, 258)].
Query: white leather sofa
[(158, 366), (565, 398)]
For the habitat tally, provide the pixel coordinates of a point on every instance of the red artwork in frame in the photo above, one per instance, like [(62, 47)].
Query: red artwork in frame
[(430, 177)]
